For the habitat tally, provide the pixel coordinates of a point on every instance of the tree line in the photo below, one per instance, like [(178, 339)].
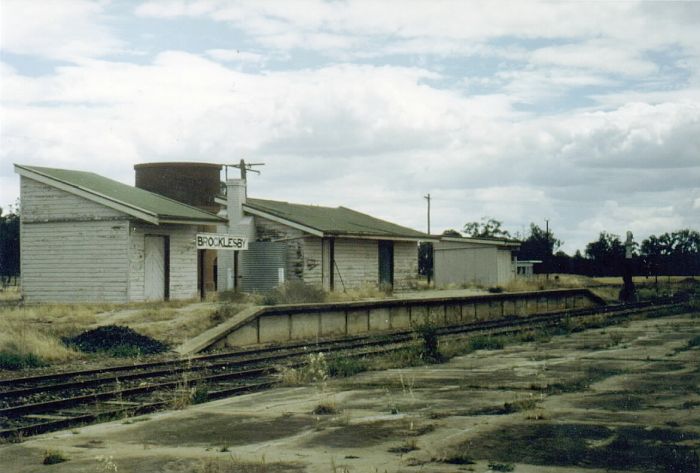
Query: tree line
[(676, 253), (9, 246)]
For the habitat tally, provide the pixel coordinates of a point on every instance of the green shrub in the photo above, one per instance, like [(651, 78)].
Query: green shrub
[(430, 349), (51, 457), (19, 361), (344, 367), (486, 343), (501, 466), (200, 394)]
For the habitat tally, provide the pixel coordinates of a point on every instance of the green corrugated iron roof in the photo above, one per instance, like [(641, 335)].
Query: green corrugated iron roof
[(140, 200), (337, 221)]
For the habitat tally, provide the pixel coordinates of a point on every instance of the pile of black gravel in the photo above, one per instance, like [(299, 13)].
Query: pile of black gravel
[(116, 340)]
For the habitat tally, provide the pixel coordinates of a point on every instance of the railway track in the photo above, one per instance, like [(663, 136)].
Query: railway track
[(38, 404)]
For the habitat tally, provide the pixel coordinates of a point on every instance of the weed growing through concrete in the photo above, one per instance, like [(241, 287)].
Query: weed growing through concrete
[(326, 407), (501, 466), (408, 446), (51, 457), (106, 464)]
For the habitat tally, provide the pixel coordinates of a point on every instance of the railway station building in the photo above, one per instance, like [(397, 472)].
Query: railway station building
[(88, 238)]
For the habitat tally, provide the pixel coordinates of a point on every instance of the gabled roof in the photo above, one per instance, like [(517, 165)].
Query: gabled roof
[(139, 203), (331, 221)]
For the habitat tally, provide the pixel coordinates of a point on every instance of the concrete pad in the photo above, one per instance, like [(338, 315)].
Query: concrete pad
[(358, 321), (492, 406), (400, 317), (379, 319), (242, 336), (333, 323), (305, 326), (275, 328)]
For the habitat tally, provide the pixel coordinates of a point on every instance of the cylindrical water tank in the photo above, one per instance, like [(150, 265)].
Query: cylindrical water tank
[(194, 184)]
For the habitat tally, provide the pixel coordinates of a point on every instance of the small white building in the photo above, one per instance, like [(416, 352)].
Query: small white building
[(86, 238), (479, 261)]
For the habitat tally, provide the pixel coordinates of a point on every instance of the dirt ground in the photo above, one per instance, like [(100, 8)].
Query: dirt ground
[(623, 398)]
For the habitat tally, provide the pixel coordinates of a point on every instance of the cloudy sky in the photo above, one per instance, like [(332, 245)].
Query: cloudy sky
[(583, 113)]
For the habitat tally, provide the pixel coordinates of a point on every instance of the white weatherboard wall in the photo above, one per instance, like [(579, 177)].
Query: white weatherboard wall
[(75, 250), (405, 264), (357, 263), (72, 250), (468, 263), (183, 259)]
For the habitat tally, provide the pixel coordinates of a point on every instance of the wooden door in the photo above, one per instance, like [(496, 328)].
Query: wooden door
[(386, 263), (154, 263)]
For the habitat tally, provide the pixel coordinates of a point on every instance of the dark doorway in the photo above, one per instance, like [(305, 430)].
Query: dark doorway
[(386, 264)]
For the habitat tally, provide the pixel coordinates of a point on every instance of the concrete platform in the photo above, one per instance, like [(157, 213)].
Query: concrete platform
[(623, 398)]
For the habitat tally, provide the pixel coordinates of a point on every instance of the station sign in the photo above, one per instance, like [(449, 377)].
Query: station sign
[(221, 241)]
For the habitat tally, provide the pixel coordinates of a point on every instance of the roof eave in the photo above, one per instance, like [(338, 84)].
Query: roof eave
[(361, 236), (88, 194), (283, 220)]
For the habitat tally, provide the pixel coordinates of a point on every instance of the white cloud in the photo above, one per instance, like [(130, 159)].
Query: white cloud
[(61, 29), (235, 55), (597, 55)]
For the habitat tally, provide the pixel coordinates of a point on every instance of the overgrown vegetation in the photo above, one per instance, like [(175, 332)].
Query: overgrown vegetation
[(294, 292), (430, 349), (24, 347), (52, 457)]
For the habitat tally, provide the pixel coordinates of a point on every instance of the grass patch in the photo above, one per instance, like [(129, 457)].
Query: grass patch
[(325, 408), (501, 466), (344, 367), (24, 346), (52, 457), (294, 292), (456, 459), (487, 342), (409, 445), (19, 361)]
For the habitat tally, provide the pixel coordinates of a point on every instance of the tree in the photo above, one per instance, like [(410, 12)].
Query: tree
[(607, 253), (676, 253), (9, 246), (539, 245), (451, 233), (487, 228)]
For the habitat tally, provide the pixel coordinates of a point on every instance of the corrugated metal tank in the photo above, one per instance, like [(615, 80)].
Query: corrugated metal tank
[(195, 184)]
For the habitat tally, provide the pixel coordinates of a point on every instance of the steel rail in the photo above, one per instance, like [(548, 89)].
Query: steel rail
[(386, 343)]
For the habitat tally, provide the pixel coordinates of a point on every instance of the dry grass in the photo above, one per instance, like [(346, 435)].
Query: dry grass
[(24, 341), (10, 294), (176, 326), (36, 330), (540, 282), (365, 292)]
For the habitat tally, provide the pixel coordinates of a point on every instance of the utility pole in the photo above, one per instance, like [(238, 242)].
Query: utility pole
[(546, 261), (244, 167), (430, 266), (427, 197)]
